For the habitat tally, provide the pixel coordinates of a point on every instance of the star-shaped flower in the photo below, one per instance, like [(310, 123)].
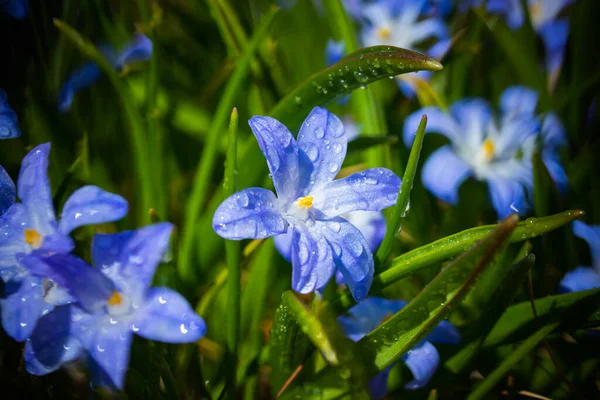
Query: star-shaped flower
[(309, 202), (31, 228), (103, 320), (422, 360)]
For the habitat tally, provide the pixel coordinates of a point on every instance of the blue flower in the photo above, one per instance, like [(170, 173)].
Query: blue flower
[(496, 151), (422, 360), (30, 228), (309, 202), (103, 320), (334, 51), (553, 30), (9, 126), (407, 24), (139, 49), (584, 278), (15, 8), (519, 101)]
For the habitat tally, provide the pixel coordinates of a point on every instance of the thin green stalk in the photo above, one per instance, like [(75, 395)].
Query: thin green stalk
[(233, 256), (403, 194), (200, 190), (139, 143), (363, 102)]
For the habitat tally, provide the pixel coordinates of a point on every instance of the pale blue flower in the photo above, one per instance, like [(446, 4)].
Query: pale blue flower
[(309, 202), (584, 278), (422, 360)]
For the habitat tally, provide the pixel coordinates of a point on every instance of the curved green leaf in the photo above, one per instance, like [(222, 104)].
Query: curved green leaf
[(357, 70), (451, 246)]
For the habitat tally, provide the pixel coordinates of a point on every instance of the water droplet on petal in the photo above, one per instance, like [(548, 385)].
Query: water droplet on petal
[(319, 132), (183, 329), (242, 199)]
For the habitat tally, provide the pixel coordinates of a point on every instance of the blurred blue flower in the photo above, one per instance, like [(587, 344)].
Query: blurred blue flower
[(422, 360), (584, 278), (496, 151), (138, 50), (519, 101), (334, 51), (9, 125), (409, 24), (309, 202), (30, 228), (544, 15), (103, 320), (15, 8)]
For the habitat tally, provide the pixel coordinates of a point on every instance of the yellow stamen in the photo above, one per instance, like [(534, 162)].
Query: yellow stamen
[(305, 202), (33, 238), (536, 10), (384, 33), (488, 149), (115, 299)]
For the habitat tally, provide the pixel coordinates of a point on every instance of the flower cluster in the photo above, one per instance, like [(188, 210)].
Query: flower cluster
[(422, 360), (309, 202), (66, 309), (495, 150)]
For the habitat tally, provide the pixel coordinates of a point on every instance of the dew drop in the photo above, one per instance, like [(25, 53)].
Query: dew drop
[(242, 199), (332, 167), (319, 132)]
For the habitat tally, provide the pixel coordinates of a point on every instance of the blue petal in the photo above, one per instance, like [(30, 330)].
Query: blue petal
[(9, 125), (443, 173), (91, 205), (283, 244), (80, 79), (334, 51), (378, 385), (321, 149), (8, 192), (371, 224), (581, 278), (51, 344), (281, 151), (553, 131), (422, 360), (249, 214), (510, 9), (351, 255), (473, 117), (167, 317), (109, 351), (312, 258), (139, 49), (554, 36), (12, 240), (15, 8), (514, 132), (370, 190), (591, 234), (444, 333), (23, 305), (107, 248), (368, 315), (89, 286), (507, 197), (518, 100), (438, 121), (139, 258), (34, 190), (555, 169)]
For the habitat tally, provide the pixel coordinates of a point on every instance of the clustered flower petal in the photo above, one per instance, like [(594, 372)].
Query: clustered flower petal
[(422, 360), (309, 202), (496, 150)]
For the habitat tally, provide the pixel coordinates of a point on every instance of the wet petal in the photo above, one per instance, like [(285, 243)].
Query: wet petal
[(507, 197), (283, 244), (312, 258), (281, 151), (9, 124), (22, 306), (322, 148), (107, 248), (252, 213), (371, 224), (34, 190), (51, 343), (351, 254), (438, 121), (91, 205), (109, 351), (12, 240), (581, 278), (422, 360), (370, 190), (443, 173), (8, 192), (168, 317)]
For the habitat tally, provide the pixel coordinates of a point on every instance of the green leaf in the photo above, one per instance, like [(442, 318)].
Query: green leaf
[(411, 324), (501, 298), (451, 246), (406, 186), (346, 75)]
